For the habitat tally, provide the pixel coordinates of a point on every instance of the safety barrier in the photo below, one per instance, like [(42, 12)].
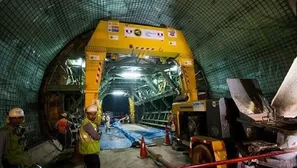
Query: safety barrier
[(158, 118), (242, 159)]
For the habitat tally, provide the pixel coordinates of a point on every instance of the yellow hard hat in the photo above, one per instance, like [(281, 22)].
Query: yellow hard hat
[(16, 112), (92, 109)]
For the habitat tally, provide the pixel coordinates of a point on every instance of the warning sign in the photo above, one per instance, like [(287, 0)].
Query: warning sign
[(172, 33), (113, 27), (144, 33)]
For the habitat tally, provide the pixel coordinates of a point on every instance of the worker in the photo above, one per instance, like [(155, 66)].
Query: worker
[(107, 122), (127, 118), (89, 138), (63, 126), (13, 140), (172, 124), (103, 119)]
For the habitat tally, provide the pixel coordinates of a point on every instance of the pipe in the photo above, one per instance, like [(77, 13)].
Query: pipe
[(236, 160), (159, 158)]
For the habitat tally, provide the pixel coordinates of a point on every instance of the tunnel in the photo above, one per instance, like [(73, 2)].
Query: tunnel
[(42, 49)]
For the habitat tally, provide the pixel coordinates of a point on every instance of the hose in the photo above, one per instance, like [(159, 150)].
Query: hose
[(159, 158)]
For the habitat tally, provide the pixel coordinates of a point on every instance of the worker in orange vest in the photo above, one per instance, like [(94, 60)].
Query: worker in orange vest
[(63, 126)]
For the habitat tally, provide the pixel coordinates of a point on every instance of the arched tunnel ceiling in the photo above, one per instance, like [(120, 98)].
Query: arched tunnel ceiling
[(229, 38)]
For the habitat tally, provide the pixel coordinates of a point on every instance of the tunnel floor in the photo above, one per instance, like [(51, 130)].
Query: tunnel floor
[(123, 155)]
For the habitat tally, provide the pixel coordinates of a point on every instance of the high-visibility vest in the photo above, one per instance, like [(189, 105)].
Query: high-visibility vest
[(88, 145), (63, 125), (172, 126), (14, 147)]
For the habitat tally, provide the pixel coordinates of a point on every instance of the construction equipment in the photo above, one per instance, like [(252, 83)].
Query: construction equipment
[(143, 42), (246, 125), (215, 130)]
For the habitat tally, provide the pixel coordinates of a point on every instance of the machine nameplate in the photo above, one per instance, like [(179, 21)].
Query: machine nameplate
[(144, 33)]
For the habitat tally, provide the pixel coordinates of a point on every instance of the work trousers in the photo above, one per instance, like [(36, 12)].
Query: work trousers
[(92, 161), (107, 126), (62, 139)]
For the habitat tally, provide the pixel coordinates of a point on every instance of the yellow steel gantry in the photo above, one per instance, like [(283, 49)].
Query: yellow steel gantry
[(122, 38)]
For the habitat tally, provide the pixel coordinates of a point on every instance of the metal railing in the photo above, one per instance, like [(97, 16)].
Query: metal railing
[(158, 118)]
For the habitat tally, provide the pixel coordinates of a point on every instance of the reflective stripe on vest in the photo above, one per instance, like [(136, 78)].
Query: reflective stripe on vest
[(87, 145), (14, 149), (63, 125)]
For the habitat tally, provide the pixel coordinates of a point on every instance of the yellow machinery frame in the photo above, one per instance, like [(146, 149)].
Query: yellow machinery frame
[(122, 38)]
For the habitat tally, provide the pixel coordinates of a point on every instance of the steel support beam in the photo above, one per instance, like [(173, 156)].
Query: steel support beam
[(141, 93), (127, 82), (156, 97), (77, 103), (166, 103), (151, 84), (135, 95), (134, 85), (104, 89), (169, 81), (105, 82), (153, 104), (160, 67)]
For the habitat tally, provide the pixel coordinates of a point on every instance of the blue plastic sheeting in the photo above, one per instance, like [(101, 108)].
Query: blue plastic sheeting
[(149, 133), (114, 139), (120, 137)]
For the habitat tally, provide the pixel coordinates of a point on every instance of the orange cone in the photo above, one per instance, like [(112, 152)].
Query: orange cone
[(143, 152), (167, 139)]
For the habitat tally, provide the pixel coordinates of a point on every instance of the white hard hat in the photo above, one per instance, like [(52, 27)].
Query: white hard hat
[(92, 109), (16, 112), (64, 114)]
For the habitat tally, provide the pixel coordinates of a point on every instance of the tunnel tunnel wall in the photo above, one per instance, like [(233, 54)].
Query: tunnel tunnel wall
[(21, 74), (242, 39), (248, 39)]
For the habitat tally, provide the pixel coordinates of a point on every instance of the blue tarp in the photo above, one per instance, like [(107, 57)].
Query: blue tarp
[(114, 139), (124, 138)]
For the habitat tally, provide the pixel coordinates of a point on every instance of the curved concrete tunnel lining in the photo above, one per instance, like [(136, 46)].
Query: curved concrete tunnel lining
[(229, 39)]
